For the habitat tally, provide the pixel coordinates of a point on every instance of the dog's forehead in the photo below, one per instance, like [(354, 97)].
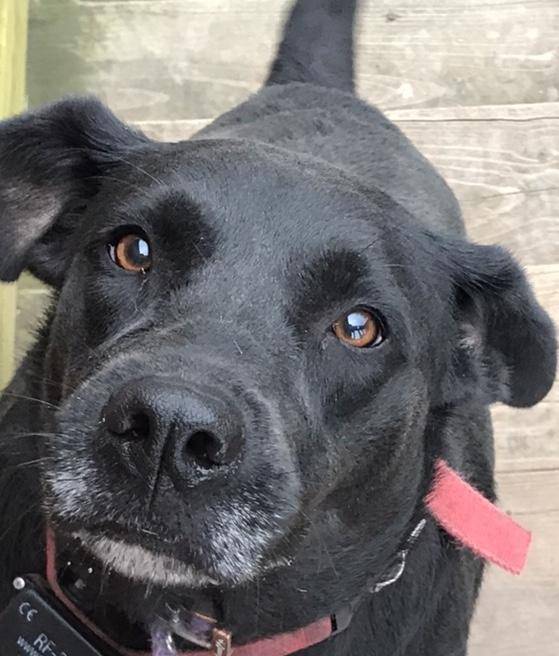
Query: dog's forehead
[(238, 219), (244, 192)]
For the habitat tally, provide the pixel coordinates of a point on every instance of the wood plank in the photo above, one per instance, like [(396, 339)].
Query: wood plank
[(526, 438), (517, 616), (156, 59), (530, 492), (195, 59), (31, 304), (506, 178), (452, 52), (515, 619)]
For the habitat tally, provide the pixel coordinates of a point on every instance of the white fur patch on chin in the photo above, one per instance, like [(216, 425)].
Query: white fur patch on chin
[(140, 564)]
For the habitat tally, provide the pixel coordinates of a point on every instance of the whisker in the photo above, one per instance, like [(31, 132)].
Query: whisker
[(198, 250), (113, 178), (140, 170), (30, 463), (17, 436), (29, 375), (30, 398)]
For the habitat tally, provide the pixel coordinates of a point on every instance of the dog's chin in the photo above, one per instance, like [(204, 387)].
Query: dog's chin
[(144, 565), (141, 564)]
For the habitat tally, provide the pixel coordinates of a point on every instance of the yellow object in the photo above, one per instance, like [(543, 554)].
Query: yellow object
[(13, 47)]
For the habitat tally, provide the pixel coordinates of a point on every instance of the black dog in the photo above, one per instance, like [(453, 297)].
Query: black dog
[(259, 343)]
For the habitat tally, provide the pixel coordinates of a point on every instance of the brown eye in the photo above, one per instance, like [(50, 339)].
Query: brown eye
[(131, 252), (359, 328)]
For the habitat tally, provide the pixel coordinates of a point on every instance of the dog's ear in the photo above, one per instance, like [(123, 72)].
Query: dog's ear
[(506, 345), (51, 160)]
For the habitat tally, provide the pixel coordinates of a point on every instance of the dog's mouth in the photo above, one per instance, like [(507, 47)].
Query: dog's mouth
[(117, 607), (152, 560), (143, 560), (120, 582)]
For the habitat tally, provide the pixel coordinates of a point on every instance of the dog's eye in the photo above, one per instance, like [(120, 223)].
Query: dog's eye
[(131, 252), (358, 327)]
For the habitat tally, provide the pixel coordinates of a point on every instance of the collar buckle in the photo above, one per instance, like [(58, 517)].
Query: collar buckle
[(221, 643), (397, 568)]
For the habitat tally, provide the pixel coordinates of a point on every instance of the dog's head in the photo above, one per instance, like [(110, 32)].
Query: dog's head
[(245, 342)]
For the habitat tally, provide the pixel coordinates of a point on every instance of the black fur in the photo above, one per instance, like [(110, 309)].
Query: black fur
[(291, 209)]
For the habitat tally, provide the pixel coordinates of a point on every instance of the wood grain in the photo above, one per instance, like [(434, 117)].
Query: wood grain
[(530, 492), (517, 616), (526, 438), (505, 174), (179, 59), (515, 619), (459, 53)]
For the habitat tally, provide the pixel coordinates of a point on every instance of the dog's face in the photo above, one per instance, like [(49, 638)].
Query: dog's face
[(243, 338), (240, 346)]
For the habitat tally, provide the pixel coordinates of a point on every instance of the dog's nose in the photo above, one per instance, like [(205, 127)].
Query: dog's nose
[(194, 431)]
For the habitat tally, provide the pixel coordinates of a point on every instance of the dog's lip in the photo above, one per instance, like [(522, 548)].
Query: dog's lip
[(141, 533), (128, 555), (142, 536)]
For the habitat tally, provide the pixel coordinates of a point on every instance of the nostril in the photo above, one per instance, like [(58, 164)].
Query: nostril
[(140, 426), (136, 426), (205, 449)]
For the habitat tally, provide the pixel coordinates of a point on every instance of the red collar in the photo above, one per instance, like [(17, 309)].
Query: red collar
[(455, 504)]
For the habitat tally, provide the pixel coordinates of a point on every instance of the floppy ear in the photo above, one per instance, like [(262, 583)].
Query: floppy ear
[(507, 343), (50, 160)]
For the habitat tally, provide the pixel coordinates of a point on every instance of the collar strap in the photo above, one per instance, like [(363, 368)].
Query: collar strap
[(281, 644), (475, 522), (456, 505)]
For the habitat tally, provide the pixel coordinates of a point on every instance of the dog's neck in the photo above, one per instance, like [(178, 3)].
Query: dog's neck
[(392, 620)]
